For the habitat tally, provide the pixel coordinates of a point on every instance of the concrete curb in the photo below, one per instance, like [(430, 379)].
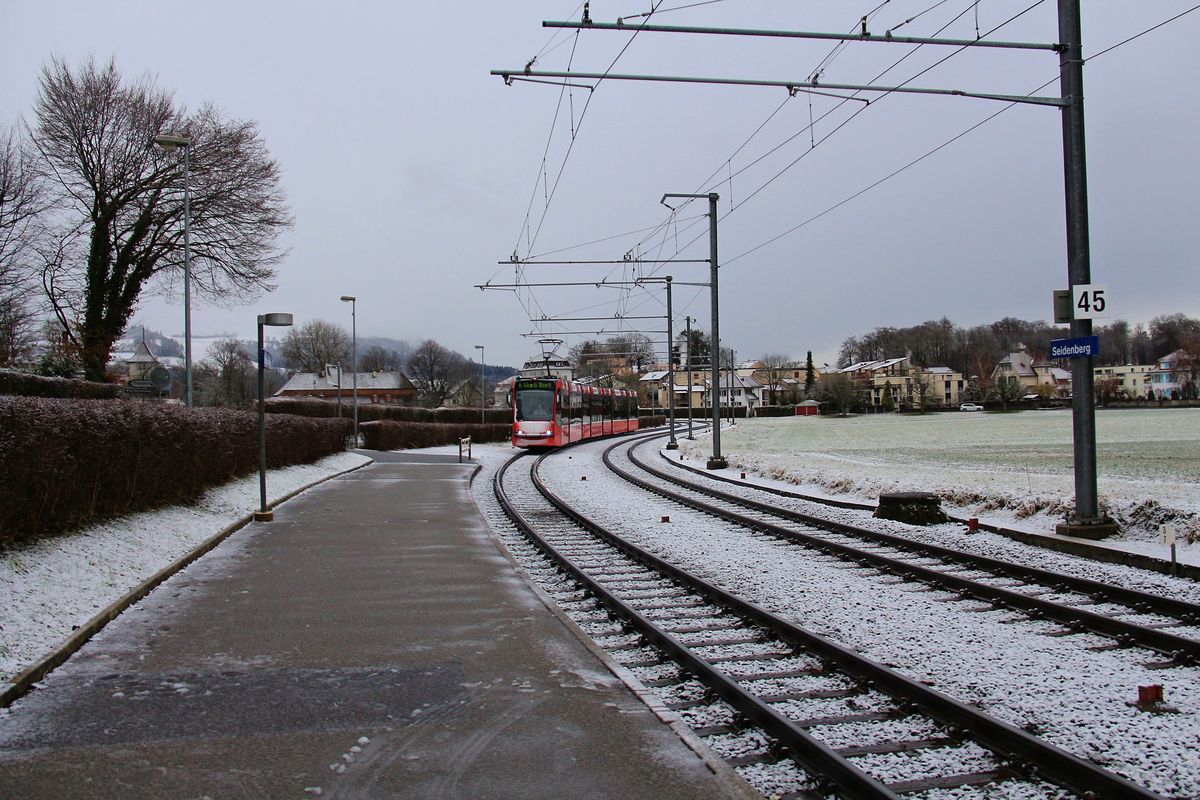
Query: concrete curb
[(736, 784), (1061, 544), (25, 680)]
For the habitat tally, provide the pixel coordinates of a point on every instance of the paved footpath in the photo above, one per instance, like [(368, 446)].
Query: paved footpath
[(370, 642)]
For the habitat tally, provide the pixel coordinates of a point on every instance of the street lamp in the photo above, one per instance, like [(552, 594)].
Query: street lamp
[(482, 384), (282, 320), (353, 356), (169, 142)]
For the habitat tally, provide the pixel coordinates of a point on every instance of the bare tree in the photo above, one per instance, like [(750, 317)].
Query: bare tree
[(309, 348), (837, 389), (775, 367), (379, 359), (634, 350), (232, 377), (22, 200), (119, 228), (435, 370), (926, 390)]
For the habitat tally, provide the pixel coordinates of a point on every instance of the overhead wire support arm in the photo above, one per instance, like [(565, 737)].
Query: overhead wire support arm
[(600, 332), (807, 85), (597, 284), (613, 261), (511, 78), (839, 37), (610, 318)]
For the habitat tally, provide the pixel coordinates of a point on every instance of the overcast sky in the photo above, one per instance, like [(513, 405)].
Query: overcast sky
[(411, 171)]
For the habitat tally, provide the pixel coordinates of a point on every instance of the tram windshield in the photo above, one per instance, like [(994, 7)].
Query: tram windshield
[(535, 404)]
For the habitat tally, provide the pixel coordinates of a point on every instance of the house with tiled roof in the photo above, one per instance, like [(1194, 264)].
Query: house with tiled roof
[(392, 387), (1036, 378), (1174, 375)]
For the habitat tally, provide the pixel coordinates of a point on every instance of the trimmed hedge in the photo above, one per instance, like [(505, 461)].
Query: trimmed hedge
[(311, 407), (70, 462), (775, 411), (653, 422), (391, 435), (28, 385)]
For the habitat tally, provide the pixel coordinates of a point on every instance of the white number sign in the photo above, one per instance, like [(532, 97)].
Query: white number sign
[(1090, 300)]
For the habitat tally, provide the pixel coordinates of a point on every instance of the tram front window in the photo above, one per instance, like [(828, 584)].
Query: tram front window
[(535, 405)]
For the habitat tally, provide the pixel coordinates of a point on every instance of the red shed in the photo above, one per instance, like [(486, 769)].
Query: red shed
[(808, 408)]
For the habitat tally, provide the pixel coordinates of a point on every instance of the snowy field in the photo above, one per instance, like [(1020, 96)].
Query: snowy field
[(1013, 469), (51, 587)]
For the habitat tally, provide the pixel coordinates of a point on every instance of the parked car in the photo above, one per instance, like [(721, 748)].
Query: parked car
[(970, 407)]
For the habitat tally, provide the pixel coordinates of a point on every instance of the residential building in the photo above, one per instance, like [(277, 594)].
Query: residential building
[(1129, 380), (1174, 375), (373, 387), (502, 393), (737, 391), (944, 386), (1036, 378), (548, 366)]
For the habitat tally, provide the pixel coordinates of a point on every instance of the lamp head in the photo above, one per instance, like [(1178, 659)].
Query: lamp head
[(348, 298), (171, 141), (278, 319)]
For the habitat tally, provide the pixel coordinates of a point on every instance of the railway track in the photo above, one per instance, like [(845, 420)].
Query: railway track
[(1127, 617), (811, 716)]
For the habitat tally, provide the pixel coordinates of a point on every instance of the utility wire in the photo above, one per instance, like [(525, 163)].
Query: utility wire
[(1143, 33), (570, 147), (945, 144), (845, 122), (728, 163)]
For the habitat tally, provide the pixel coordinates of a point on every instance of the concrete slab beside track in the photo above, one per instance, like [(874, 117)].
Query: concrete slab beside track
[(372, 641)]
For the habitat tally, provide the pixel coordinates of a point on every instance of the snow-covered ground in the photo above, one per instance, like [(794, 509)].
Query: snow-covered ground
[(1018, 669), (1011, 469), (51, 587)]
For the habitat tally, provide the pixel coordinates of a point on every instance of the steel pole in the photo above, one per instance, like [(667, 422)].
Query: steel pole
[(354, 358), (1083, 409), (187, 275), (716, 461), (671, 443), (262, 427), (689, 373)]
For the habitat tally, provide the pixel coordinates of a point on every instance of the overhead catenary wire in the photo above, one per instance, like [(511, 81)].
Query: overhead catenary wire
[(913, 162), (825, 115), (735, 207), (944, 144)]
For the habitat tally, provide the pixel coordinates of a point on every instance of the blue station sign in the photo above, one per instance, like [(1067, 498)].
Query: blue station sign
[(1082, 347)]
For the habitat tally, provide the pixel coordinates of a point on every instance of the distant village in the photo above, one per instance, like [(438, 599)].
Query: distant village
[(151, 365)]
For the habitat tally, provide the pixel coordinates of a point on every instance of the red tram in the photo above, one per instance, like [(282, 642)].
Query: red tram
[(548, 412)]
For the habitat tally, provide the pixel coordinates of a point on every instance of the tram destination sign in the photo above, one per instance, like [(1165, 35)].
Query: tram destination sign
[(1082, 347), (547, 384)]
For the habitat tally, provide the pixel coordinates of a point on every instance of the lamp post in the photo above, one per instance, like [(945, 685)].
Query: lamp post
[(482, 384), (716, 461), (353, 301), (169, 142), (279, 319)]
